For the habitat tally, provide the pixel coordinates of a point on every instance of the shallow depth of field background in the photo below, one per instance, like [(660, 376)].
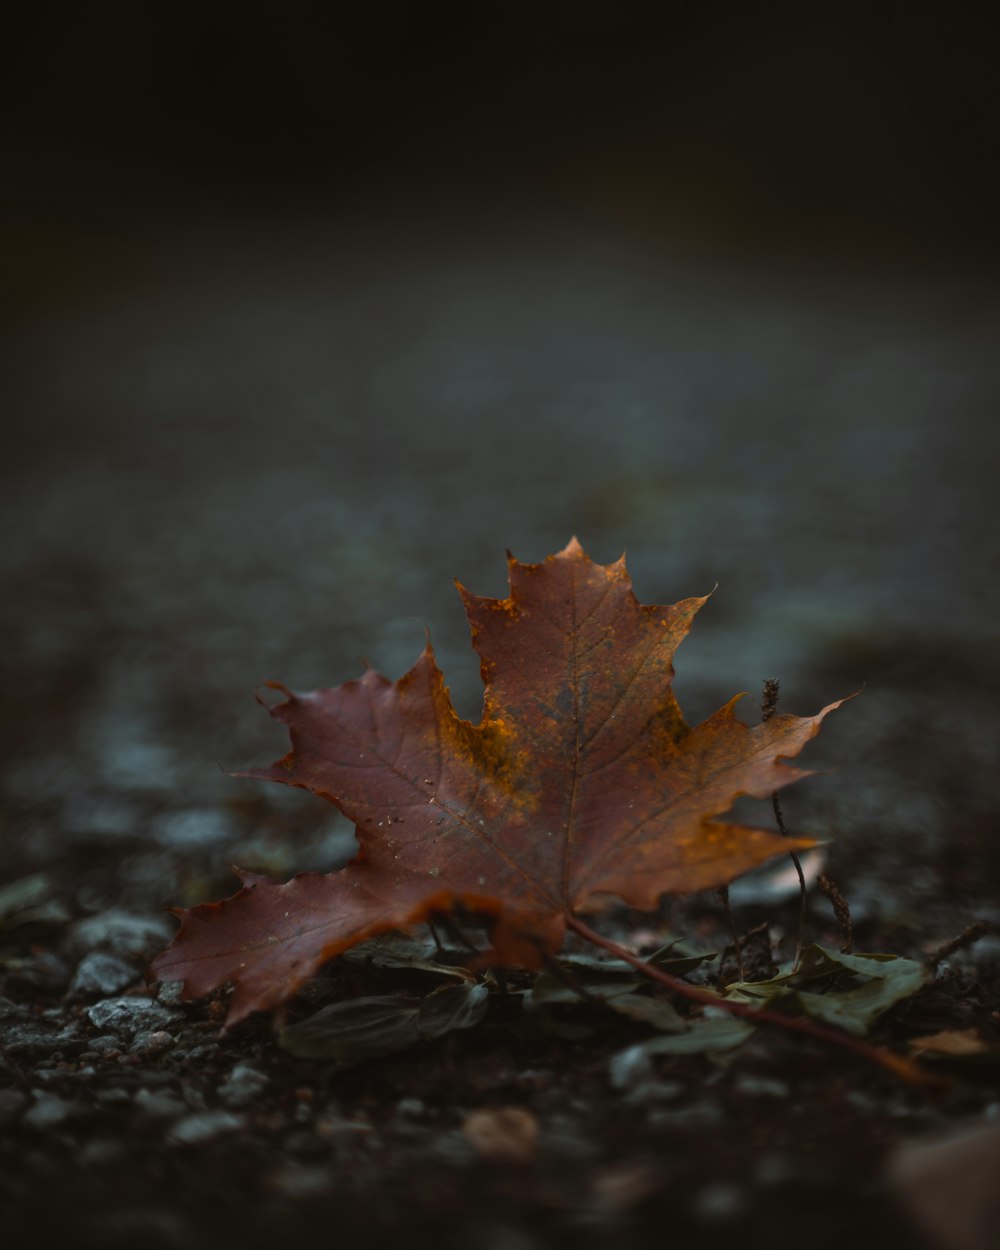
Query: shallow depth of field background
[(311, 314)]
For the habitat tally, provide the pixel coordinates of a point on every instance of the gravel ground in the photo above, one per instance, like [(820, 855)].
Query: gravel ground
[(262, 452)]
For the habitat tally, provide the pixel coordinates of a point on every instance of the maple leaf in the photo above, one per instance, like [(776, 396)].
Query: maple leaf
[(581, 783)]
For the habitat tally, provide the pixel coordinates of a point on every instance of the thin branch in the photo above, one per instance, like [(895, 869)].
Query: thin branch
[(973, 932), (896, 1064), (768, 707), (723, 895), (840, 910)]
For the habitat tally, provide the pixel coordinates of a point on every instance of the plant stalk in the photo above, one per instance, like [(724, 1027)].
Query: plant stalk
[(898, 1065)]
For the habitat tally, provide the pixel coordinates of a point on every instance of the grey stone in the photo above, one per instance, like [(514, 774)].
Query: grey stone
[(45, 973), (649, 1092), (48, 1111), (129, 1016), (243, 1086), (151, 1042), (33, 1040), (197, 828), (161, 1106), (763, 1087), (120, 933), (202, 1127), (106, 1044), (100, 974), (170, 993), (630, 1067), (719, 1202)]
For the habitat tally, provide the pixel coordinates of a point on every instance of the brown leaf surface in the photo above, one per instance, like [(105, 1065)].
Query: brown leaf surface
[(581, 781)]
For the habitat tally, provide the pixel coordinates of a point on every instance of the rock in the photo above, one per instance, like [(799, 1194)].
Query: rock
[(106, 1045), (243, 1086), (43, 973), (129, 1016), (197, 828), (120, 933), (193, 1130), (763, 1087), (720, 1202), (650, 1092), (99, 975), (151, 1042), (48, 1111), (159, 1106), (170, 993), (35, 1041), (629, 1068)]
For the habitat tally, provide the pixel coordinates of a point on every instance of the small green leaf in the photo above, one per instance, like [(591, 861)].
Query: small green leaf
[(548, 990), (874, 983), (661, 1015), (701, 1037), (352, 1031)]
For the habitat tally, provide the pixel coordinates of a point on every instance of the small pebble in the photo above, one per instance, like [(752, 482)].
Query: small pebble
[(629, 1068), (120, 933), (105, 1045), (243, 1086), (193, 1130), (129, 1016), (47, 1111), (719, 1202), (763, 1087), (151, 1043), (99, 975), (160, 1106)]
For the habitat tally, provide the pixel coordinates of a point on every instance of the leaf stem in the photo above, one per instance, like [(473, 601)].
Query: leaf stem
[(896, 1064)]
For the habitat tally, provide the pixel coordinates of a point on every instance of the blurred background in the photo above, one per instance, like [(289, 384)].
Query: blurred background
[(312, 309)]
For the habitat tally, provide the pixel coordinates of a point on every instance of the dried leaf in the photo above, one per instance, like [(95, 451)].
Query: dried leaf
[(581, 782), (967, 1044), (874, 983)]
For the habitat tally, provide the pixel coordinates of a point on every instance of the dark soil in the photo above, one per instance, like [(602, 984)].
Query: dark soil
[(229, 468)]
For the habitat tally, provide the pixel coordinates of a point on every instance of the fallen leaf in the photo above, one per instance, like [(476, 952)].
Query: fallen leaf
[(956, 1044), (368, 1028), (699, 1037), (874, 983), (581, 783)]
